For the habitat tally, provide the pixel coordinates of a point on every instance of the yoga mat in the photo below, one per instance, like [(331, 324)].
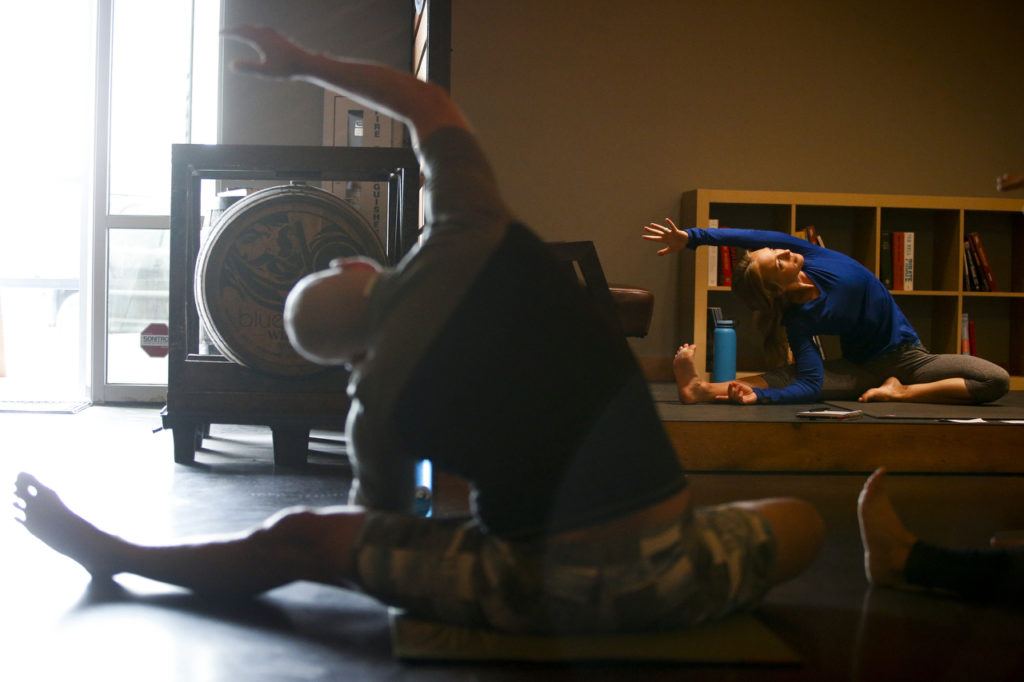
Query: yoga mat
[(883, 410), (664, 392), (739, 639)]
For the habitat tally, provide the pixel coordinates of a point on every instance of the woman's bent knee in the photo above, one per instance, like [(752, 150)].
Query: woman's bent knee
[(993, 387)]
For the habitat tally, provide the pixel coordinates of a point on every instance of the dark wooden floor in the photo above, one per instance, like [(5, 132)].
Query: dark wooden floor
[(107, 464)]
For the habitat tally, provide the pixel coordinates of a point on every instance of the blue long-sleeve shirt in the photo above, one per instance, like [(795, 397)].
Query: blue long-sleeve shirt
[(852, 304)]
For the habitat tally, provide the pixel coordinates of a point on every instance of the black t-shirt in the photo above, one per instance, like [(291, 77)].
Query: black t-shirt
[(485, 358), (531, 393)]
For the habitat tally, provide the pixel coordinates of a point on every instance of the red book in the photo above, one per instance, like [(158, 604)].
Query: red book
[(725, 265), (970, 337), (897, 261), (986, 271)]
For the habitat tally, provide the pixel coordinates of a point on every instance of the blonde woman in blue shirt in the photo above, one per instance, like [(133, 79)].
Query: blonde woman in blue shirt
[(798, 290)]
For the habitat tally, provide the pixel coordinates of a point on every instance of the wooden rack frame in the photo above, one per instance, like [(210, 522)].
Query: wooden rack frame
[(205, 389)]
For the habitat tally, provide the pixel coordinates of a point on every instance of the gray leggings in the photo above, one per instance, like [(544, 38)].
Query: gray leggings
[(911, 364)]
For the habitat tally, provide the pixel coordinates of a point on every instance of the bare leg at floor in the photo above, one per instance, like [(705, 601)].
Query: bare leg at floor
[(297, 544), (887, 542), (693, 389)]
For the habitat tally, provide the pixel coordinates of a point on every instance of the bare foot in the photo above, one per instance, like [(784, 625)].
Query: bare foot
[(691, 388), (886, 540), (46, 517), (890, 390)]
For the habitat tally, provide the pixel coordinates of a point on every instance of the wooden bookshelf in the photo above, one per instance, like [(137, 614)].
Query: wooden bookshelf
[(855, 224)]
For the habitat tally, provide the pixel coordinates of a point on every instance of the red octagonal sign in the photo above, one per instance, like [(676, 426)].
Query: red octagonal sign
[(154, 340)]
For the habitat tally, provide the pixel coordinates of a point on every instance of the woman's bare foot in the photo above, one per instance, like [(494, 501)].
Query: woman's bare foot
[(691, 388), (890, 390), (886, 540), (46, 517)]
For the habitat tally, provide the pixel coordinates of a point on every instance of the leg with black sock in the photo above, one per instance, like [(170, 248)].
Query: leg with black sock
[(984, 574)]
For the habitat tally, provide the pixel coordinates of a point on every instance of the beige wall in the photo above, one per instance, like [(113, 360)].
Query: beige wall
[(598, 114)]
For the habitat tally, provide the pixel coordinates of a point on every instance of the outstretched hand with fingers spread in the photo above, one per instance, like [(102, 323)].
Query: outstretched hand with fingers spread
[(279, 57), (671, 236)]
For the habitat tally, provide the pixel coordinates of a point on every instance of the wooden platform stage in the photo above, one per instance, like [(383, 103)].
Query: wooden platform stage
[(765, 438)]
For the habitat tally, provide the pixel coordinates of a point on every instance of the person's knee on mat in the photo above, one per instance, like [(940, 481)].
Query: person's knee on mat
[(991, 388), (799, 531)]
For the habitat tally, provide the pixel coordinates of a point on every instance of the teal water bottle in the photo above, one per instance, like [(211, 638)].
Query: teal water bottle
[(724, 367)]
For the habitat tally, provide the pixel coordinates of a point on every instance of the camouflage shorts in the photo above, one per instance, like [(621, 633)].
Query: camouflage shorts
[(714, 561)]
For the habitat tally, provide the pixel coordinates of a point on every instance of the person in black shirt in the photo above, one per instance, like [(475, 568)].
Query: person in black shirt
[(476, 352)]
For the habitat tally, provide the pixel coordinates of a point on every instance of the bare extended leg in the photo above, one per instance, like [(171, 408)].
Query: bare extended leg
[(293, 545), (887, 542), (693, 389), (799, 531)]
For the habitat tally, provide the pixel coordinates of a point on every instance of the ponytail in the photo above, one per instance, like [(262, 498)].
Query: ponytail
[(768, 308)]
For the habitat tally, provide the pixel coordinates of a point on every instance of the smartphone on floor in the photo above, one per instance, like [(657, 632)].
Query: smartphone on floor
[(830, 414)]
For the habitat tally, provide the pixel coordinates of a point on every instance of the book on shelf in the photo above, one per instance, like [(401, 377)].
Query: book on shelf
[(965, 340), (808, 234), (812, 235), (968, 264), (885, 260), (971, 338), (897, 260), (908, 261), (725, 266), (902, 261), (712, 257), (975, 279), (979, 251)]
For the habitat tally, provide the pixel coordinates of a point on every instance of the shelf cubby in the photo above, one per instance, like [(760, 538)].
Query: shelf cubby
[(997, 324), (849, 229), (1002, 235), (937, 249), (935, 319), (777, 217)]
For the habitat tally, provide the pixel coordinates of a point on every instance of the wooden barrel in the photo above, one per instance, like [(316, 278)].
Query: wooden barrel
[(258, 249)]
